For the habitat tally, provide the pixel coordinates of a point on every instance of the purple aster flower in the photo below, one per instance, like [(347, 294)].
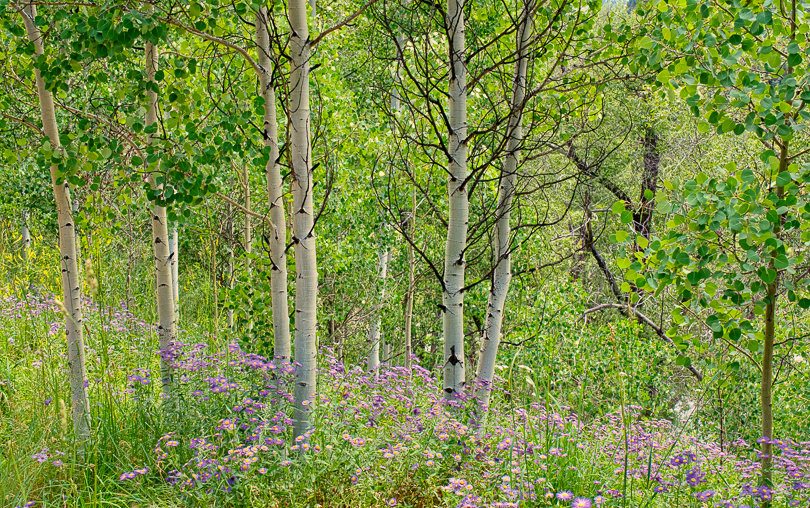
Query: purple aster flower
[(565, 495), (581, 502), (704, 496)]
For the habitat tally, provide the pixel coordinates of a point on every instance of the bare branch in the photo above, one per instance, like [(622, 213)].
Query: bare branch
[(342, 23), (649, 322)]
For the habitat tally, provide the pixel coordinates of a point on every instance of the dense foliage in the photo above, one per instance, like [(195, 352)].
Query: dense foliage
[(416, 254)]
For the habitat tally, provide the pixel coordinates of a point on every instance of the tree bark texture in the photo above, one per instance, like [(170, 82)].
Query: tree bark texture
[(275, 192), (766, 384), (231, 245), (375, 330), (25, 233), (174, 253), (642, 217), (306, 268), (71, 286), (502, 274), (408, 346), (458, 216), (160, 237), (248, 239)]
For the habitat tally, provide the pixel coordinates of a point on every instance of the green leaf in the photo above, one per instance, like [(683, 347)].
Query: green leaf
[(765, 17), (645, 43), (747, 176), (714, 323), (766, 274), (735, 224), (618, 207), (621, 236), (783, 179), (794, 60)]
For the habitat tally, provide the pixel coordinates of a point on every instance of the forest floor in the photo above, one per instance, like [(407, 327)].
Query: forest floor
[(225, 436)]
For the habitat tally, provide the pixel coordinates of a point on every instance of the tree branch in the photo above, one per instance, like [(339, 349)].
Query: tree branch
[(342, 23), (641, 317), (24, 122)]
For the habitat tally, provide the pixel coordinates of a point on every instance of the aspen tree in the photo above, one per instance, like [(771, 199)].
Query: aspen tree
[(160, 237), (458, 216), (174, 254), (306, 268), (375, 331), (275, 192), (229, 314), (502, 275), (408, 346), (248, 238), (71, 287), (25, 234)]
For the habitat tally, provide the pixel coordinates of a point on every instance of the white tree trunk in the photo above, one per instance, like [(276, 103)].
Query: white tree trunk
[(375, 331), (275, 192), (174, 253), (26, 236), (248, 244), (306, 267), (454, 263), (74, 207), (71, 286), (214, 283), (229, 313), (248, 221), (160, 237), (502, 275), (408, 342)]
